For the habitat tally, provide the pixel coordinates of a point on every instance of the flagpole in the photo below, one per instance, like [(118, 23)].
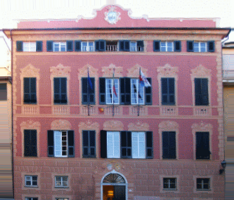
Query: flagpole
[(88, 93), (113, 107), (138, 107)]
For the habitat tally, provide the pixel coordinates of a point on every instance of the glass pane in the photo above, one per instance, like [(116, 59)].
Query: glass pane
[(170, 46), (196, 47), (113, 178)]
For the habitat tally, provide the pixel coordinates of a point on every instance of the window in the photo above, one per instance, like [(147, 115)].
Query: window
[(61, 181), (60, 143), (60, 90), (126, 45), (59, 46), (169, 183), (111, 45), (100, 45), (167, 46), (3, 91), (168, 91), (137, 92), (203, 184), (87, 46), (201, 92), (169, 144), (31, 198), (30, 143), (31, 181), (30, 91), (111, 91), (202, 145), (126, 144), (88, 92), (89, 144), (29, 46), (193, 46)]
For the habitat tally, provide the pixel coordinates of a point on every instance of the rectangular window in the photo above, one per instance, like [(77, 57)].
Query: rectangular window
[(60, 90), (200, 46), (30, 181), (31, 198), (169, 144), (167, 46), (138, 145), (169, 183), (3, 91), (137, 92), (89, 144), (88, 91), (61, 181), (203, 184), (133, 46), (168, 91), (201, 92), (30, 91), (194, 46), (112, 91), (29, 46), (30, 143), (61, 143), (87, 46), (59, 46), (113, 145), (202, 145)]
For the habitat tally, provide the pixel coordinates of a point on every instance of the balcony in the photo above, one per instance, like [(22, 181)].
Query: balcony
[(111, 46)]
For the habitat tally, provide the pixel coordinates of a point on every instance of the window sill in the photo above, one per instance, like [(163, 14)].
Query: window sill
[(57, 187), (27, 186), (169, 189), (203, 190)]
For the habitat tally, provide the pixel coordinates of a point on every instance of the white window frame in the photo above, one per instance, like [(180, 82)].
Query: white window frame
[(169, 188), (135, 100), (30, 178), (113, 144), (109, 87), (166, 45), (60, 46), (61, 180), (29, 46), (199, 47), (202, 184), (133, 46), (138, 145), (88, 46), (58, 148)]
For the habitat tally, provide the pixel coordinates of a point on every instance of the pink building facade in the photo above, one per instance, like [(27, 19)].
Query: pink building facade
[(107, 136)]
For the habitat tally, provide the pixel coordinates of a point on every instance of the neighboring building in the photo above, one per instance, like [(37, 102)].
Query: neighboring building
[(228, 83), (6, 189), (109, 136)]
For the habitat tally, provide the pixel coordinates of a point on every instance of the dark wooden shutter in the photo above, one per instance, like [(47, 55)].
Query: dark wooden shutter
[(69, 45), (27, 143), (89, 144), (177, 46), (56, 90), (127, 45), (211, 46), (202, 145), (190, 46), (3, 91), (97, 46), (60, 90), (140, 45), (119, 192), (27, 95), (169, 145), (102, 91), (103, 144), (126, 144), (168, 91), (63, 90), (39, 46), (121, 45), (201, 91), (125, 91), (71, 149), (156, 45), (149, 144), (50, 140), (19, 46), (84, 90), (204, 92), (77, 45), (148, 94), (33, 90), (49, 45), (33, 142), (172, 145), (102, 45)]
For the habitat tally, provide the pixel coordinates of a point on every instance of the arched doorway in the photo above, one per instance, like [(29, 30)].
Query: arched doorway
[(114, 186)]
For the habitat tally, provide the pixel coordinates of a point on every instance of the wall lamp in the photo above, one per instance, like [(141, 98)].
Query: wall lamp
[(223, 164)]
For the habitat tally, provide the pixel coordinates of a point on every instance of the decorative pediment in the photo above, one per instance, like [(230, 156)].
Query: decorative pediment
[(30, 71), (60, 70), (108, 71), (83, 72), (112, 16), (135, 71), (200, 71), (113, 125), (138, 126), (60, 125), (30, 124), (202, 127), (88, 125), (168, 125), (167, 71)]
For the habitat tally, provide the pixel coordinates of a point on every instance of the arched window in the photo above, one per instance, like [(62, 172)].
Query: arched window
[(113, 178)]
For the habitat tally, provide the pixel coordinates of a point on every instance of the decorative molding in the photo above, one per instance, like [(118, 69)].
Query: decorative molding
[(112, 16), (113, 125), (138, 126), (168, 125), (88, 125), (202, 127), (134, 71), (167, 71), (60, 70), (200, 71), (60, 125), (83, 72), (108, 71), (29, 71), (29, 124)]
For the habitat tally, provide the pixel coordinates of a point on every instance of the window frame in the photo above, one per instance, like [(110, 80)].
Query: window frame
[(89, 146), (163, 156), (202, 103), (167, 46), (199, 48), (60, 44), (202, 145), (60, 93), (88, 47), (61, 155), (30, 140), (83, 80), (169, 188), (32, 46), (168, 94), (31, 180), (116, 153), (30, 88), (62, 182), (202, 184), (139, 89), (112, 80)]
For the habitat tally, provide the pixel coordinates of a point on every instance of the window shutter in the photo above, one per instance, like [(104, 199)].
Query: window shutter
[(156, 45), (171, 90), (39, 46), (49, 45), (126, 144), (125, 91), (33, 90), (121, 45), (204, 91), (63, 85), (172, 145), (127, 45), (77, 45), (27, 143), (57, 90), (140, 45), (102, 45), (164, 91), (103, 144), (189, 46), (50, 138), (19, 46), (84, 90), (102, 91), (69, 45), (26, 90), (71, 152), (148, 94), (198, 94), (33, 136), (211, 46), (202, 145), (85, 139), (97, 46), (149, 144), (92, 144), (92, 92), (165, 143), (177, 46)]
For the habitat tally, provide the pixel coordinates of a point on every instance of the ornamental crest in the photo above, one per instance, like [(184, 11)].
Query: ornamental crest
[(112, 16)]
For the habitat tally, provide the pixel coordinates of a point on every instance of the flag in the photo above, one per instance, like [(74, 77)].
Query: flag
[(143, 80), (135, 91), (114, 90), (89, 81)]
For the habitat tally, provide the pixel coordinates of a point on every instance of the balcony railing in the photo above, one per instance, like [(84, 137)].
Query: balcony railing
[(111, 48)]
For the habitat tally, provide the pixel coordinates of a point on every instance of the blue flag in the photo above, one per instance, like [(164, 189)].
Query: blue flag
[(89, 81)]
